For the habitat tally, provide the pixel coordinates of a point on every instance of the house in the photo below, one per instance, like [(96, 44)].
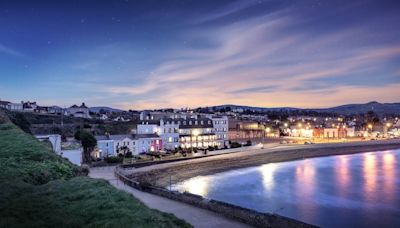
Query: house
[(29, 106), (103, 117), (148, 143), (113, 145), (121, 119), (55, 110), (3, 104), (16, 107), (42, 109), (81, 111)]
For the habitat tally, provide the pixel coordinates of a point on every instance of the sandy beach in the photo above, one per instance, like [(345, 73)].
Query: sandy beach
[(170, 173)]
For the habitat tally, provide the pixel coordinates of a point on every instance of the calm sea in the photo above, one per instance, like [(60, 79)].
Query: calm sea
[(360, 190)]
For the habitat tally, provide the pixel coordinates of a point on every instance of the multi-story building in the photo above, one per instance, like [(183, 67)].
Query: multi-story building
[(187, 130), (221, 128), (169, 131), (245, 129), (197, 133)]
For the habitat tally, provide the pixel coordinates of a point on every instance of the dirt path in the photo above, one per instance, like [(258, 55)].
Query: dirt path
[(193, 215)]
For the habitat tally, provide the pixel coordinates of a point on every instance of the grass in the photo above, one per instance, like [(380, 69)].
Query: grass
[(41, 189)]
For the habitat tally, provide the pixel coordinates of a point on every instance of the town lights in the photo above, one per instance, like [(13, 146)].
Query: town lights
[(299, 125), (285, 124), (370, 126), (268, 129), (388, 124)]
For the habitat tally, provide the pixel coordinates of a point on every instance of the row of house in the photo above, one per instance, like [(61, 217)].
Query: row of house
[(166, 132), (112, 145), (28, 106)]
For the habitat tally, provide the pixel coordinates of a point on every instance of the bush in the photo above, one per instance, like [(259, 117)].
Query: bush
[(114, 159), (235, 145)]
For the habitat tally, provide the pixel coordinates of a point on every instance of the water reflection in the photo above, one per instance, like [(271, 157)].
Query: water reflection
[(305, 186), (197, 185), (359, 190), (389, 176), (267, 173), (342, 174), (369, 175)]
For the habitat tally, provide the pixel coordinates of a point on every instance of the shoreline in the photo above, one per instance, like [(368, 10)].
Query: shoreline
[(163, 175)]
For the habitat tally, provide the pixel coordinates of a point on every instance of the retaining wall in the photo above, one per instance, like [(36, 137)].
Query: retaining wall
[(244, 215)]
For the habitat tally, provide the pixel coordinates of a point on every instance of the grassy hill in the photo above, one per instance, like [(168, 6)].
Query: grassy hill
[(41, 189)]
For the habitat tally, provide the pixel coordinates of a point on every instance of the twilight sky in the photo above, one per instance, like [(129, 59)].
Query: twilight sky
[(154, 54)]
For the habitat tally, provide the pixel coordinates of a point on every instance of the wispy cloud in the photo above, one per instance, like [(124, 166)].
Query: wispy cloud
[(9, 51), (256, 61)]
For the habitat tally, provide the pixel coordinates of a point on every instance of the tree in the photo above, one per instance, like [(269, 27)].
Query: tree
[(88, 142)]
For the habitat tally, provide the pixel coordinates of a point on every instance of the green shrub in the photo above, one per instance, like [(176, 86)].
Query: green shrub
[(114, 159)]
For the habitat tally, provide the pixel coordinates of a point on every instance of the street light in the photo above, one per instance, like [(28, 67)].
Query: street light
[(388, 124), (299, 125)]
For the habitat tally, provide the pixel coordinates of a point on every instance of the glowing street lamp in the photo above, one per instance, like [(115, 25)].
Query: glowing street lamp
[(388, 125), (285, 124), (370, 126), (299, 125)]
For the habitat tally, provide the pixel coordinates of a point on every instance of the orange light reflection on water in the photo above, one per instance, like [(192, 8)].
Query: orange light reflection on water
[(370, 175), (305, 176), (342, 174), (389, 176)]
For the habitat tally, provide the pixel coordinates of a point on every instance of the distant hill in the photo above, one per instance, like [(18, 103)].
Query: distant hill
[(251, 108), (379, 108), (107, 109)]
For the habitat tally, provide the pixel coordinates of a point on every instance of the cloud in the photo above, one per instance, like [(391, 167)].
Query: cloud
[(9, 51), (258, 62)]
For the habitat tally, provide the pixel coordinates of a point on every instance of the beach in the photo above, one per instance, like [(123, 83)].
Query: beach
[(169, 173)]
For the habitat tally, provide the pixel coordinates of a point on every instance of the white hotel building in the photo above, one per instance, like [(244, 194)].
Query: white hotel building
[(188, 132)]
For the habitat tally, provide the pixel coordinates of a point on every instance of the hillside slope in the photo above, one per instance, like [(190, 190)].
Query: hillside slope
[(41, 189)]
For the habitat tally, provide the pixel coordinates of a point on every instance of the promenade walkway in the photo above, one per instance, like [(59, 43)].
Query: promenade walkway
[(196, 216)]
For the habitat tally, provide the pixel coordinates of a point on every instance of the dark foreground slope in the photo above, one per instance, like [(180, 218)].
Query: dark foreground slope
[(41, 189)]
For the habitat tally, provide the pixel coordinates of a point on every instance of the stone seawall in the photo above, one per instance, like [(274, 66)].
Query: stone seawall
[(237, 213)]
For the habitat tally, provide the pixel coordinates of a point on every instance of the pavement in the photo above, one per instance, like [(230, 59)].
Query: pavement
[(195, 216)]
